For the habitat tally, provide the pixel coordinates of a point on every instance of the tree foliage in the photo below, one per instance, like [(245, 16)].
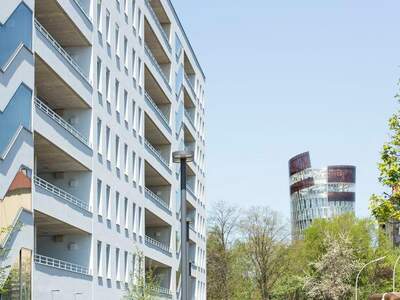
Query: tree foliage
[(386, 207)]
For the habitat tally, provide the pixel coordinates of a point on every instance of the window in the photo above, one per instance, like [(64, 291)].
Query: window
[(134, 173), (126, 213), (133, 115), (108, 85), (126, 8), (140, 172), (108, 27), (126, 270), (134, 14), (139, 23), (134, 64), (139, 126), (117, 264), (139, 227), (133, 216), (126, 114), (117, 163), (108, 204), (99, 20), (126, 165), (99, 258), (99, 89), (133, 264), (126, 53), (99, 136), (108, 269), (99, 197), (139, 72), (117, 95), (108, 143), (116, 39), (117, 213)]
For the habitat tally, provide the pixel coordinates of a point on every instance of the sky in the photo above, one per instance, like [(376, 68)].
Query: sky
[(289, 76)]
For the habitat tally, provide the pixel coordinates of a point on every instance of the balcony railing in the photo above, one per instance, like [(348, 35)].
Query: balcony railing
[(191, 121), (60, 193), (191, 227), (60, 264), (150, 195), (190, 86), (61, 50), (152, 242), (190, 190), (48, 111), (83, 11), (156, 65), (158, 112), (157, 155), (161, 291), (163, 33)]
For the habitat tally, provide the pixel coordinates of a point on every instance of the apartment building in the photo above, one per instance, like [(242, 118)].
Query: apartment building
[(95, 97), (318, 193)]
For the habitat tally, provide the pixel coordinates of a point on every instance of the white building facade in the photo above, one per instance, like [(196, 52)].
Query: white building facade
[(96, 95)]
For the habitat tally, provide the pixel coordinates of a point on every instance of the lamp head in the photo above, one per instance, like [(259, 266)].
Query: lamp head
[(178, 156)]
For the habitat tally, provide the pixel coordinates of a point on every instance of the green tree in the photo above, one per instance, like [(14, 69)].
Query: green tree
[(386, 207), (332, 274), (143, 283)]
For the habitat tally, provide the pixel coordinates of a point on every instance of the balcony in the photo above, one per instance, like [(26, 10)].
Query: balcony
[(157, 145), (161, 20), (62, 258), (157, 200), (63, 53), (162, 275), (60, 264), (158, 190), (68, 20), (60, 121), (156, 244), (157, 67), (160, 115)]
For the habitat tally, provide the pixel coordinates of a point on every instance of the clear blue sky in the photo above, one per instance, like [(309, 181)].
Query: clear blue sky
[(284, 77)]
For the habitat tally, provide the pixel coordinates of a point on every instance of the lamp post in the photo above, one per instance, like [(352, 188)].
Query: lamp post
[(394, 272), (183, 157), (364, 266)]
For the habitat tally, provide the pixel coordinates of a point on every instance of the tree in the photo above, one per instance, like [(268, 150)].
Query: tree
[(266, 239), (332, 273), (386, 207), (223, 220), (142, 284)]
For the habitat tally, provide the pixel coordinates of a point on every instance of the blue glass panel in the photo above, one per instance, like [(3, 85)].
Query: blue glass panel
[(179, 118), (16, 30), (178, 47), (16, 113), (179, 80)]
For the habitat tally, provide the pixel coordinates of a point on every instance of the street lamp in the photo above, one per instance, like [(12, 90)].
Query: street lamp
[(394, 272), (358, 275), (183, 157)]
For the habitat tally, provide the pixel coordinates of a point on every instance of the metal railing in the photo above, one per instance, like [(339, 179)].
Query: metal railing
[(60, 193), (189, 117), (190, 190), (163, 33), (157, 244), (48, 111), (158, 112), (60, 264), (156, 65), (162, 291), (83, 11), (191, 86), (191, 227), (157, 155), (149, 194), (61, 50)]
